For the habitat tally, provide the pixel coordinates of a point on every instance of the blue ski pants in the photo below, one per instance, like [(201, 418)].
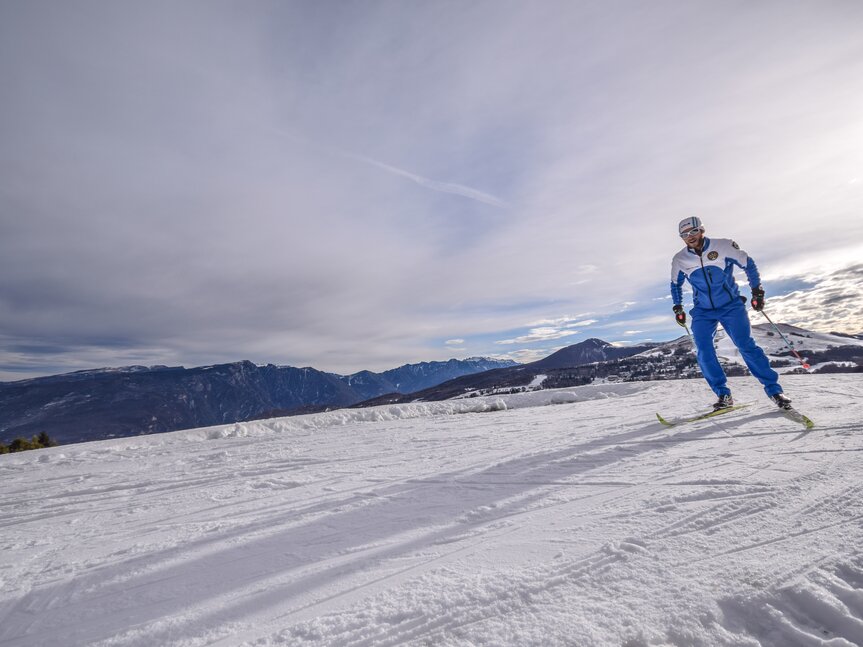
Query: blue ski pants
[(735, 321)]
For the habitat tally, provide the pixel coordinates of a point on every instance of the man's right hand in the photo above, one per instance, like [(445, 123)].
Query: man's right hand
[(680, 315)]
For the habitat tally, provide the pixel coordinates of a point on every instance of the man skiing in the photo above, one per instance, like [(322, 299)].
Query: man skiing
[(708, 264)]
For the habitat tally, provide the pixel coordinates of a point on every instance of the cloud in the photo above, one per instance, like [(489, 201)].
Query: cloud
[(564, 322), (455, 345), (526, 355), (539, 335), (834, 303)]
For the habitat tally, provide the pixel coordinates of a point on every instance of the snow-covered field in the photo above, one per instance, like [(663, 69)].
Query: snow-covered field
[(516, 523)]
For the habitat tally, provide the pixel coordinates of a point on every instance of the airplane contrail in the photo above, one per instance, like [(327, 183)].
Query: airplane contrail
[(434, 185)]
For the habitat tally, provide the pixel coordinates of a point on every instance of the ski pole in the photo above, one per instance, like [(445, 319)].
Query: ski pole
[(785, 339)]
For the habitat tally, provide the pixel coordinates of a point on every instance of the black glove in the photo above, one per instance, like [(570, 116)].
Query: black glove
[(758, 299), (680, 315)]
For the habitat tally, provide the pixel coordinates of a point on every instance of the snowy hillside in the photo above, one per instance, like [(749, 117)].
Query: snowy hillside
[(585, 523), (806, 341)]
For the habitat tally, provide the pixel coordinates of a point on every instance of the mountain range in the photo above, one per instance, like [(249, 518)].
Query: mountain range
[(595, 360), (106, 403)]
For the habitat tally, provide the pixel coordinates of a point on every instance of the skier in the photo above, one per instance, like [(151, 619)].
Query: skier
[(708, 264)]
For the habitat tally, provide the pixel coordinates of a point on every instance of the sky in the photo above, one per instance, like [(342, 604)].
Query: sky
[(360, 185)]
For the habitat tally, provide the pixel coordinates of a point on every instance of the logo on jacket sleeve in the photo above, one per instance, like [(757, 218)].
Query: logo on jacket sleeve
[(735, 245), (712, 256)]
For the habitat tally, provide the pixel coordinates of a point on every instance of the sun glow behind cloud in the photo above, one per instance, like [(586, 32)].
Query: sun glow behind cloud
[(833, 304)]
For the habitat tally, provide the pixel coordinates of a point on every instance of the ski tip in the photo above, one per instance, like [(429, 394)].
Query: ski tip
[(793, 414), (664, 421)]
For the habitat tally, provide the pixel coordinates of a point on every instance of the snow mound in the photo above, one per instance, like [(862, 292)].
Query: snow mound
[(415, 410)]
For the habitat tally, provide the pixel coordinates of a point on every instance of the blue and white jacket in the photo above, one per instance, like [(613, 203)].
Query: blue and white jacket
[(711, 273)]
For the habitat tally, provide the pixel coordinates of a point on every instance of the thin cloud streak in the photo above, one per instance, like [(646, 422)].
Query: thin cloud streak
[(428, 183), (434, 185)]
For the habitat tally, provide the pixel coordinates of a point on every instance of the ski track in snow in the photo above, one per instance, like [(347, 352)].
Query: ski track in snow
[(584, 524)]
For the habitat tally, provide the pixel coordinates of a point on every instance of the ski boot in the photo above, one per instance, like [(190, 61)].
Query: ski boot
[(724, 402), (781, 400)]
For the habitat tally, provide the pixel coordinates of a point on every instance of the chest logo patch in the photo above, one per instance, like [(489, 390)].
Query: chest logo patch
[(712, 256)]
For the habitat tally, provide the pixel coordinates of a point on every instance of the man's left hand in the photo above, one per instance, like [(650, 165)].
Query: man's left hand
[(758, 299)]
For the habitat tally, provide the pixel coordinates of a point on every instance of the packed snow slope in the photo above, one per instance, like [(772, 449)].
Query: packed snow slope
[(518, 523)]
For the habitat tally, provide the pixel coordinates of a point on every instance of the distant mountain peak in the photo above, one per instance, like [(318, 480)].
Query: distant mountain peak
[(586, 352), (479, 358), (595, 341)]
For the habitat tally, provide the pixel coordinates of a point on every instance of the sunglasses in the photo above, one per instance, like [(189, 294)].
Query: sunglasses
[(690, 232)]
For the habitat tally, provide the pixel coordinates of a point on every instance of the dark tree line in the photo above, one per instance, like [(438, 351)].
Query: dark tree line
[(22, 444)]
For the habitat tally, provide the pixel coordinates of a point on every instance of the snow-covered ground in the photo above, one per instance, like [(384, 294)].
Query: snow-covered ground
[(585, 523)]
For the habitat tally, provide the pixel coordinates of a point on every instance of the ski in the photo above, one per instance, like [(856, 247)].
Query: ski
[(790, 413), (796, 416), (704, 416)]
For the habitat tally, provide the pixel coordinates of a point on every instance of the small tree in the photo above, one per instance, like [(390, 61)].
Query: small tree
[(20, 445), (45, 440)]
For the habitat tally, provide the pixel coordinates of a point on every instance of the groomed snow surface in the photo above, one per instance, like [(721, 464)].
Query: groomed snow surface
[(517, 523)]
